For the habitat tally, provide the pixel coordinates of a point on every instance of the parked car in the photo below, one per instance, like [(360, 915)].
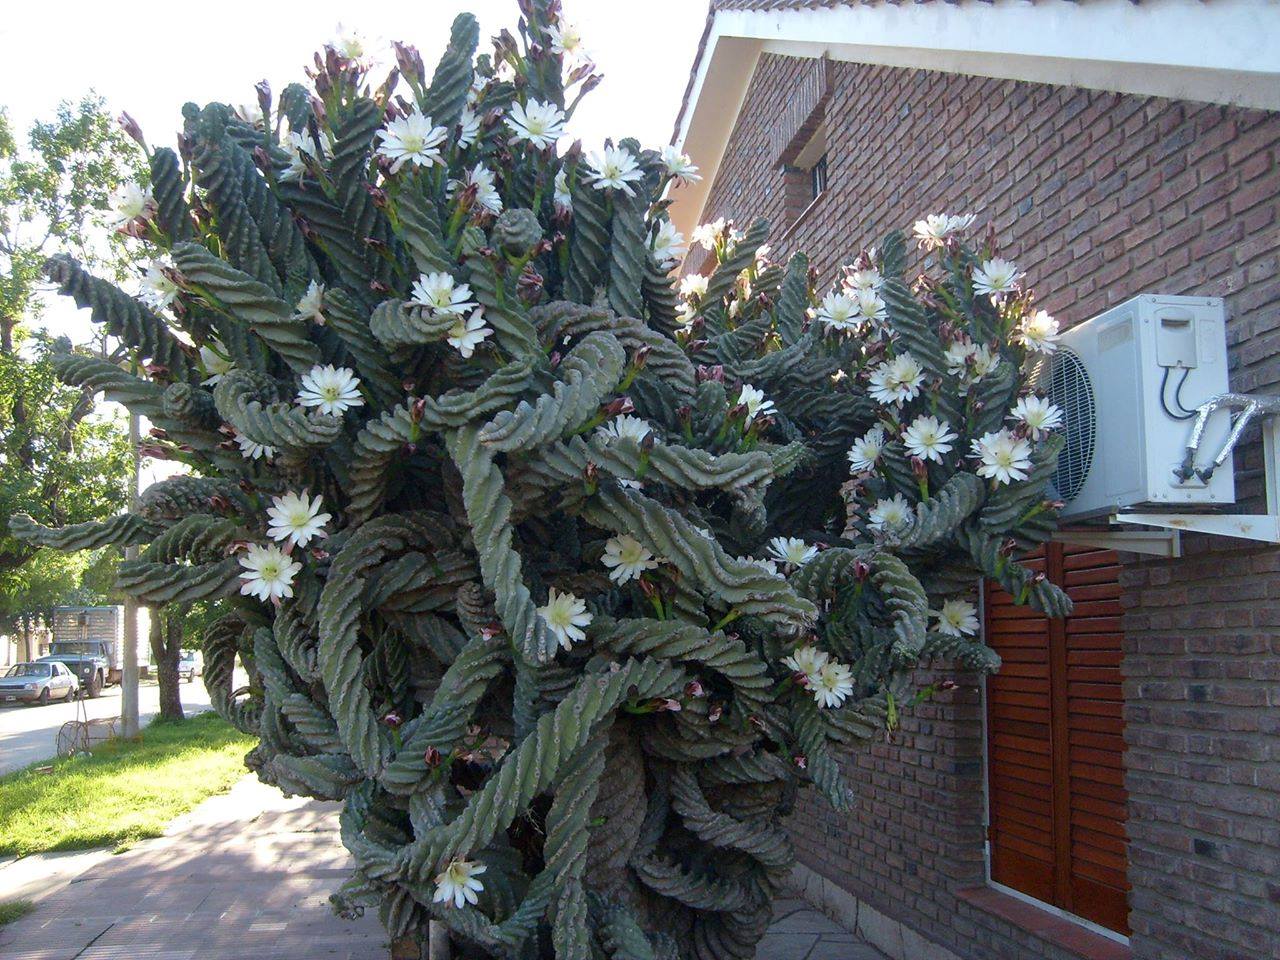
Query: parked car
[(89, 660), (38, 682), (190, 665)]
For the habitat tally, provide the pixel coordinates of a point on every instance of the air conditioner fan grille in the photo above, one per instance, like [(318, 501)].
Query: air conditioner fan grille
[(1070, 389)]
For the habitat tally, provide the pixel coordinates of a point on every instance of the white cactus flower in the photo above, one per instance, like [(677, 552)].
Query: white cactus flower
[(457, 883), (536, 123), (866, 450), (957, 618), (268, 572), (792, 550), (413, 139), (565, 616), (296, 517), (1003, 457), (332, 390), (627, 558), (928, 438), (1038, 415)]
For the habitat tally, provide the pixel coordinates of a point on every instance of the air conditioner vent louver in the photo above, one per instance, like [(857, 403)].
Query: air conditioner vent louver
[(1070, 389)]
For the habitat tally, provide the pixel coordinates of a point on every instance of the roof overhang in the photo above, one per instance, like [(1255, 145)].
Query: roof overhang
[(1221, 51)]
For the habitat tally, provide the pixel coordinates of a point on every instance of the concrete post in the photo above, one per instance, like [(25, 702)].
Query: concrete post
[(129, 655)]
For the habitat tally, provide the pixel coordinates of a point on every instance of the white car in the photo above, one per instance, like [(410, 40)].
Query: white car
[(38, 682)]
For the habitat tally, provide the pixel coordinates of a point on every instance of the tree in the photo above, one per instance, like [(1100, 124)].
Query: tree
[(559, 579), (166, 633), (61, 460)]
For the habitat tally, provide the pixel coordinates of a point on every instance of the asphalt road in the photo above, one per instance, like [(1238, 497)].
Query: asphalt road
[(30, 734)]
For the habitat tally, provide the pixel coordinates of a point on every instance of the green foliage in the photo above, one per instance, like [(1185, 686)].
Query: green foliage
[(597, 591), (59, 461)]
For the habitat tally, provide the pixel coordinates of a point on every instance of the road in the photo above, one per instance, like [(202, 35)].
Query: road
[(29, 734)]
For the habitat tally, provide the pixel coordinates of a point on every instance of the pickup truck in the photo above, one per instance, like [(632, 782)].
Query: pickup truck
[(90, 660)]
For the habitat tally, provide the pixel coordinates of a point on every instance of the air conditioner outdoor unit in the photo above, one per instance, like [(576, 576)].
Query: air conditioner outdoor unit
[(1128, 382)]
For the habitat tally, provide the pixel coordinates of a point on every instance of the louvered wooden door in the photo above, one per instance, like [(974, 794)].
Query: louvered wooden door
[(1055, 741)]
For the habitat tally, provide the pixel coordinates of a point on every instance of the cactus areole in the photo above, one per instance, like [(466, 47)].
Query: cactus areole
[(562, 573)]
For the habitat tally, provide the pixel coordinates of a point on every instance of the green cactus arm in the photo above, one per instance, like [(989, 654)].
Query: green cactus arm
[(397, 323), (120, 531), (588, 374), (488, 511), (120, 315), (451, 81), (162, 583), (248, 301), (272, 423)]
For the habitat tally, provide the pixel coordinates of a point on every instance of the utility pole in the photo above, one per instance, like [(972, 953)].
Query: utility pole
[(129, 668)]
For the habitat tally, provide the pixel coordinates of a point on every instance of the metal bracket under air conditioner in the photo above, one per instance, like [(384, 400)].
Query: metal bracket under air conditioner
[(1249, 526), (1155, 543)]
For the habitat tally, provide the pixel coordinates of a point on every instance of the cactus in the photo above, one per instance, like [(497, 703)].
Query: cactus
[(558, 579)]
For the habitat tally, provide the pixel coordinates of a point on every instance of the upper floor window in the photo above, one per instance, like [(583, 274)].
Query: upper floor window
[(818, 177), (812, 159)]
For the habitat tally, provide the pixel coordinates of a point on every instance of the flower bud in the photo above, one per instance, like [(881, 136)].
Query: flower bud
[(918, 468), (640, 357), (409, 60), (392, 719), (694, 689), (408, 450), (159, 433), (715, 713), (261, 159), (263, 89), (378, 195), (706, 373), (861, 570), (619, 406), (432, 758), (801, 761), (529, 285), (418, 409), (130, 127)]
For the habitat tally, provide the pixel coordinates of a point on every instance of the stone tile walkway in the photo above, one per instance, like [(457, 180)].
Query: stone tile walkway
[(248, 874)]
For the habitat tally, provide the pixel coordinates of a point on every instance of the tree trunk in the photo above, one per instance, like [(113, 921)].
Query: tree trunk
[(166, 647)]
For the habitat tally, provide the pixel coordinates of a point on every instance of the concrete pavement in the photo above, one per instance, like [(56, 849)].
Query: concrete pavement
[(30, 734), (248, 874)]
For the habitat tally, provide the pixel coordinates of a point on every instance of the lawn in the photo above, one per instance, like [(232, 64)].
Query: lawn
[(12, 910), (126, 791)]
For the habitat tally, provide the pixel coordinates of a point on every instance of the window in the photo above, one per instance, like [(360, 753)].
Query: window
[(812, 160), (818, 177), (1055, 742)]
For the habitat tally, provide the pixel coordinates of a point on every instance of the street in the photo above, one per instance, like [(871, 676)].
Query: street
[(29, 734)]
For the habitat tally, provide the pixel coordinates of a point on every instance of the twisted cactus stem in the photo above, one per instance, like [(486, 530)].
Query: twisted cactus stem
[(578, 610)]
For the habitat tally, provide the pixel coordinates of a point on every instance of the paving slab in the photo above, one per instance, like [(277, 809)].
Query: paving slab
[(249, 874)]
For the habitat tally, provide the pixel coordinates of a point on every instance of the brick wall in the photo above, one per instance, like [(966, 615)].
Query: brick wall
[(1099, 197)]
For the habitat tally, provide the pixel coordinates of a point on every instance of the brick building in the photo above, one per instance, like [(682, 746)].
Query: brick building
[(1115, 790)]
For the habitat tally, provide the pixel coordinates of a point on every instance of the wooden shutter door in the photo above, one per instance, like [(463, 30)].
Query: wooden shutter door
[(1055, 743)]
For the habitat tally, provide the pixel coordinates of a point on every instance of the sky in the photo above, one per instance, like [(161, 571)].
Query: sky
[(149, 58)]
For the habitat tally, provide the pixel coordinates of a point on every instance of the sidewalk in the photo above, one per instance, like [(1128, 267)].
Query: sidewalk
[(248, 874)]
